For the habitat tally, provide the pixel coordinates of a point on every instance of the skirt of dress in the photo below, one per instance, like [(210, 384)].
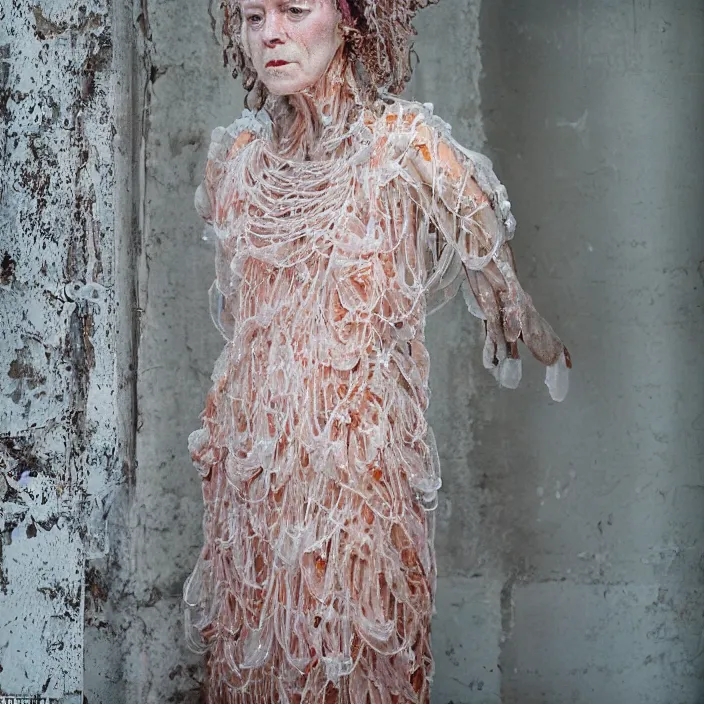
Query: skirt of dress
[(317, 576)]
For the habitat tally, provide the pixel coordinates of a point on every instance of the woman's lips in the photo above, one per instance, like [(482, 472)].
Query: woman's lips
[(276, 62)]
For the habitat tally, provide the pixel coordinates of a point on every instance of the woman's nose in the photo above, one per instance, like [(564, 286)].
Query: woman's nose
[(273, 29)]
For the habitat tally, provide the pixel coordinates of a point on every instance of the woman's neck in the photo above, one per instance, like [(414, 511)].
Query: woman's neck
[(306, 123)]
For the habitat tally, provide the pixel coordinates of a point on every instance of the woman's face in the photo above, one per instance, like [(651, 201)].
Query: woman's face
[(290, 42)]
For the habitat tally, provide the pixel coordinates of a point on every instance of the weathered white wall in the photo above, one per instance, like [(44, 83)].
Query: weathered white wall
[(64, 369)]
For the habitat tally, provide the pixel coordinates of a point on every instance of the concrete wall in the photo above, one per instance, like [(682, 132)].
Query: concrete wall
[(593, 112)]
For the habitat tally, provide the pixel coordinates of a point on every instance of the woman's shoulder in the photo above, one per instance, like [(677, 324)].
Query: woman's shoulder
[(410, 123), (227, 141), (399, 116), (420, 121), (225, 144)]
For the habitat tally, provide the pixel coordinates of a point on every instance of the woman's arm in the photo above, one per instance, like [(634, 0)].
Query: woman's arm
[(471, 211)]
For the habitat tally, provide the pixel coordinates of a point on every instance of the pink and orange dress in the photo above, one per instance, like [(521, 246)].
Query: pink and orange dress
[(316, 580)]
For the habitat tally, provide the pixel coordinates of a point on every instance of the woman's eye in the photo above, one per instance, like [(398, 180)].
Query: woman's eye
[(296, 11), (254, 19)]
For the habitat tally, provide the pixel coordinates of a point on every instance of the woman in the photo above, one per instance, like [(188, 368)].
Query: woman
[(343, 215)]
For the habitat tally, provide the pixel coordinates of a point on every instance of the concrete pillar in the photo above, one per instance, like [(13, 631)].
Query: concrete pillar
[(182, 92)]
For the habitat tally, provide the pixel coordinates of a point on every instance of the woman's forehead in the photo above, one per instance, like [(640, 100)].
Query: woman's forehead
[(246, 4)]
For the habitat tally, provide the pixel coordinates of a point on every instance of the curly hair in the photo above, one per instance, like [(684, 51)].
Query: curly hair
[(379, 35)]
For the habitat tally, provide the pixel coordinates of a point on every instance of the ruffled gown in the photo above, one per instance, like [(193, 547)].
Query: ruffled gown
[(316, 580)]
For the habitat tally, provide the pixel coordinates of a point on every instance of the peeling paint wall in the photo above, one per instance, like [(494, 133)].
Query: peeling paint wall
[(62, 439)]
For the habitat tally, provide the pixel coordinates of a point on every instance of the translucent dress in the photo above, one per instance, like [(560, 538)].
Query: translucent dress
[(316, 580)]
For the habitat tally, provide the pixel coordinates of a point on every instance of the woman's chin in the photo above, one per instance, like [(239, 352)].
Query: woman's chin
[(287, 87)]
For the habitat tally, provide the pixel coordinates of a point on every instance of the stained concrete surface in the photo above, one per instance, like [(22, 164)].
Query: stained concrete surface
[(182, 92), (593, 115)]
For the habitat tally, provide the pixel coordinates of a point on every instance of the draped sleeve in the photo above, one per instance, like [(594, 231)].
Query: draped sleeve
[(215, 199), (470, 229)]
